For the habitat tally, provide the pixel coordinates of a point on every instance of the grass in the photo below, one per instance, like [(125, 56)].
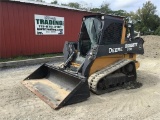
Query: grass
[(29, 57)]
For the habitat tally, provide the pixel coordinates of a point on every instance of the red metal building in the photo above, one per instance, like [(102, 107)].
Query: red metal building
[(17, 28)]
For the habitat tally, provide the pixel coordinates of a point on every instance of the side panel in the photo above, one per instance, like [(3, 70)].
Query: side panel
[(102, 62), (132, 57), (123, 34)]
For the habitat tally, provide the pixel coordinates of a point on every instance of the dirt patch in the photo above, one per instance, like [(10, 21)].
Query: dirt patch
[(132, 85), (151, 46), (17, 102)]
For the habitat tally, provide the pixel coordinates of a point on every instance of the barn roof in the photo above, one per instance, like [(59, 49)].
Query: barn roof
[(48, 4)]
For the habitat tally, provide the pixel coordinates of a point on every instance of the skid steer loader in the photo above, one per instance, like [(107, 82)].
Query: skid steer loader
[(102, 59)]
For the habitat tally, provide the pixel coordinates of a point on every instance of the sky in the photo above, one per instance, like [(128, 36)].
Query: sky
[(128, 5)]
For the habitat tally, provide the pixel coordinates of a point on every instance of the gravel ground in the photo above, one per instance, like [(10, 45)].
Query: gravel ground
[(17, 102)]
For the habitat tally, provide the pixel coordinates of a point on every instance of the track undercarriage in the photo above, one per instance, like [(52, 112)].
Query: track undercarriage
[(113, 77)]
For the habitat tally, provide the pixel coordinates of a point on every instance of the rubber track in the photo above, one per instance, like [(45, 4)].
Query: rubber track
[(97, 76)]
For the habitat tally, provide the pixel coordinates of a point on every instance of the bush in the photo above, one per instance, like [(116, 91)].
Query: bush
[(157, 32), (144, 31)]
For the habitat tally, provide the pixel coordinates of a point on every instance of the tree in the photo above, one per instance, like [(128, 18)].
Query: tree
[(95, 10), (104, 8), (157, 32), (147, 17), (120, 13), (54, 2), (74, 5), (37, 0), (85, 6), (40, 0)]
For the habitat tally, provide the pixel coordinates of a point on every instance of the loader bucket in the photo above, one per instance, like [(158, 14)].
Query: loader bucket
[(57, 87)]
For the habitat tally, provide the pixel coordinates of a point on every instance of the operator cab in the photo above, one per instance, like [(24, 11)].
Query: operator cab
[(99, 30)]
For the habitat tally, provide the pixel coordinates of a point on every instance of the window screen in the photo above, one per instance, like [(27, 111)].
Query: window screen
[(112, 34)]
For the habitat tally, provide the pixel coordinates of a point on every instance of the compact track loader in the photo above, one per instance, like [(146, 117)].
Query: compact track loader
[(103, 59)]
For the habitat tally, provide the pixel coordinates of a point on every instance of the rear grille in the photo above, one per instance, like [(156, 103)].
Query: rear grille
[(112, 34)]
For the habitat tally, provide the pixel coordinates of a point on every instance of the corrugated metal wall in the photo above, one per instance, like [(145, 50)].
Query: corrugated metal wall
[(17, 29)]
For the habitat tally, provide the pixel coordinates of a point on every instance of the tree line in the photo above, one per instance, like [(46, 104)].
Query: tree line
[(145, 19)]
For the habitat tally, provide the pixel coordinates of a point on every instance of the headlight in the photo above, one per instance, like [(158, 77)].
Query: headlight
[(102, 17)]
